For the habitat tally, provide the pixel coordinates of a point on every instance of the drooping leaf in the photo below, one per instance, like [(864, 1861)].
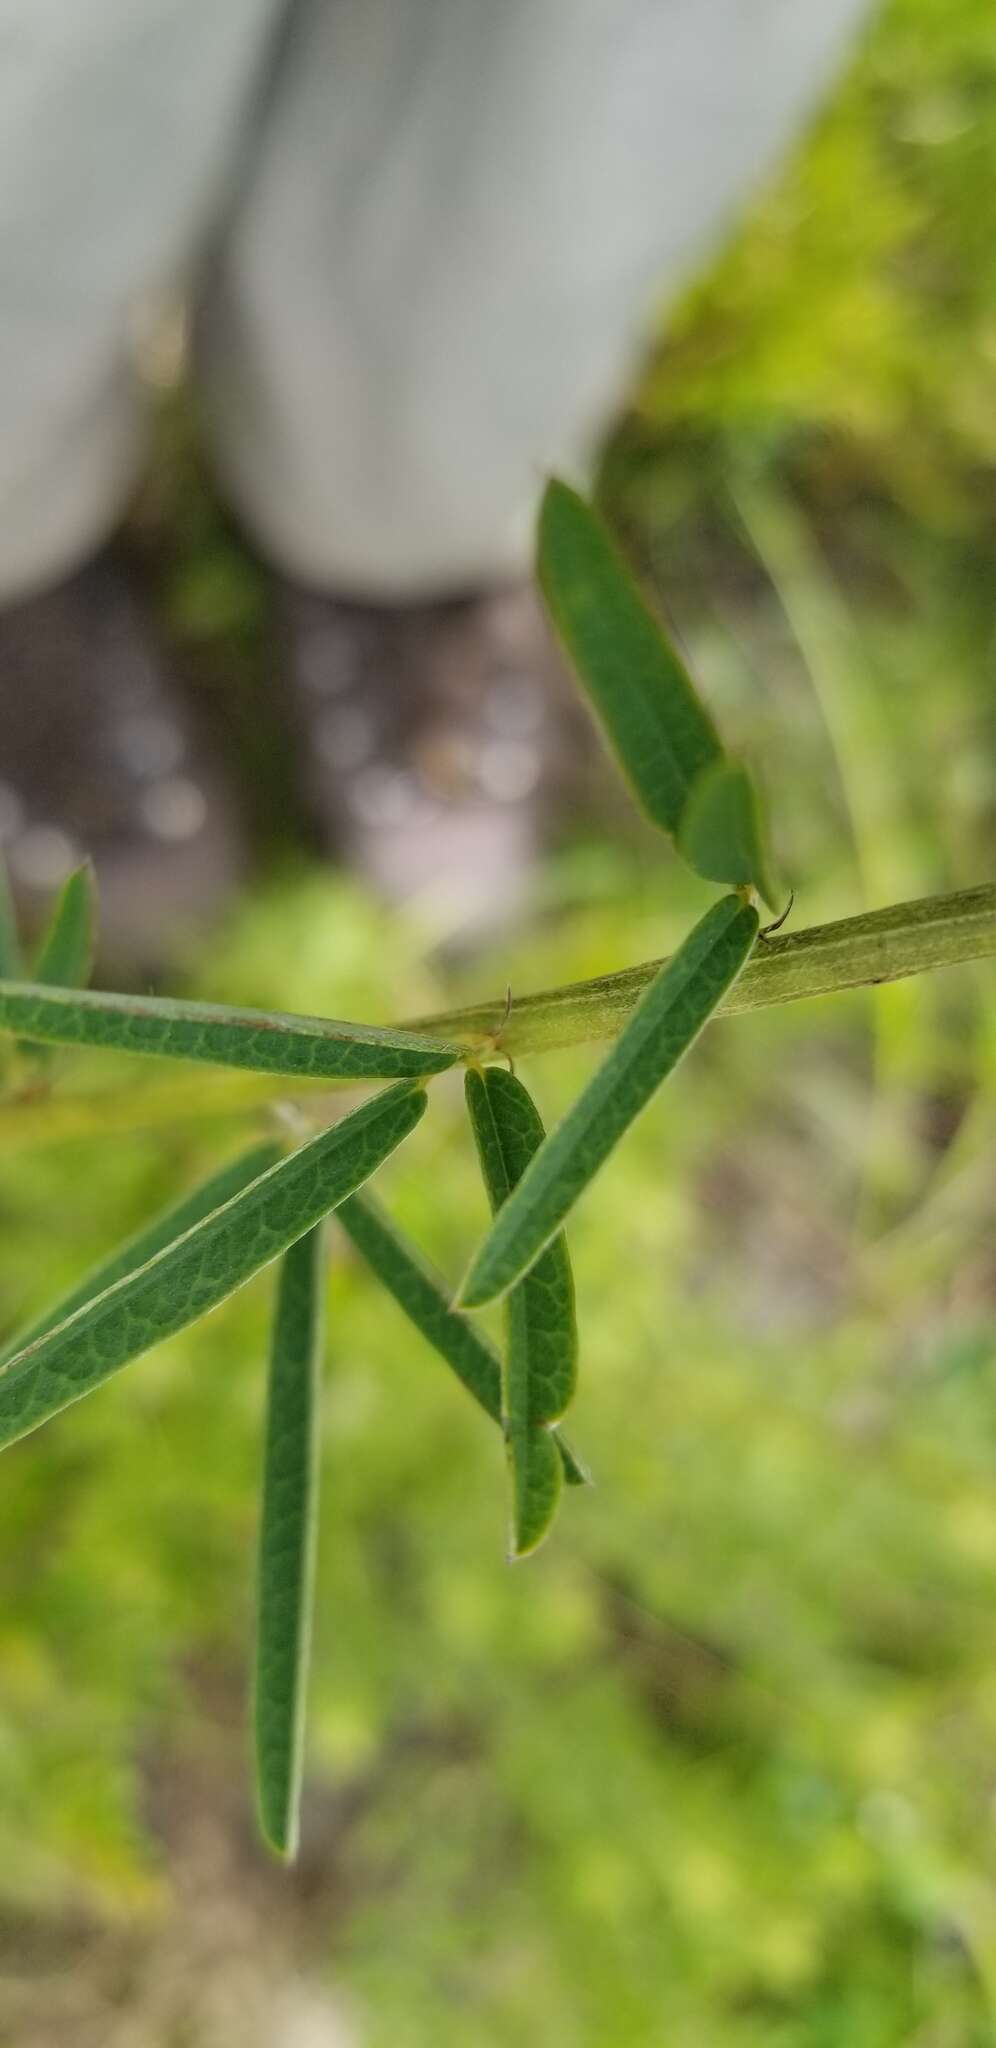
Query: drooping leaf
[(309, 1047), (181, 1216), (416, 1289), (65, 955), (424, 1299), (540, 1366), (202, 1267), (286, 1559), (722, 833), (666, 1021), (640, 687)]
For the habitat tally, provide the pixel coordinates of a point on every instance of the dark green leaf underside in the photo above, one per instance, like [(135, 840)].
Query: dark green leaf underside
[(288, 1518), (306, 1047), (198, 1270)]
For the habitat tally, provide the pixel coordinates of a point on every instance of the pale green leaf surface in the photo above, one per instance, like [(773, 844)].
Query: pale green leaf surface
[(666, 1021), (286, 1557), (424, 1299), (638, 684), (318, 1048), (179, 1217), (722, 833), (201, 1268)]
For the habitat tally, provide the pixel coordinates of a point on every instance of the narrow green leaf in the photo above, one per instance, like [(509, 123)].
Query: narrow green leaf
[(509, 1133), (540, 1367), (210, 1194), (425, 1300), (318, 1048), (10, 951), (65, 956), (722, 833), (537, 1477), (419, 1293), (639, 686), (286, 1562), (203, 1266), (665, 1022)]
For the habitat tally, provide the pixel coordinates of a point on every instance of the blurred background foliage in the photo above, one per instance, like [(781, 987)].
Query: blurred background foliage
[(718, 1766)]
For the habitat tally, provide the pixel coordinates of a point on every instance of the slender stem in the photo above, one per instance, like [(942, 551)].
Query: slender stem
[(854, 952)]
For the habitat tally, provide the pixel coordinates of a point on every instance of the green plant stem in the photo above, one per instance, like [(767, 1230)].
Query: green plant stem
[(853, 952)]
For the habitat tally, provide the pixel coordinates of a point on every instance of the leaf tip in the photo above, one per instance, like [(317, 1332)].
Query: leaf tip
[(723, 832), (576, 1471), (471, 1295), (523, 1543), (280, 1841)]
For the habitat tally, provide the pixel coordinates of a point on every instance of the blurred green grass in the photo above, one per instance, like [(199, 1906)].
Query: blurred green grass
[(718, 1765)]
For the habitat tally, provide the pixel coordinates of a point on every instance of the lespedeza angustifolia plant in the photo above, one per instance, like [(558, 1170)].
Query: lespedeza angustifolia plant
[(272, 1202)]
